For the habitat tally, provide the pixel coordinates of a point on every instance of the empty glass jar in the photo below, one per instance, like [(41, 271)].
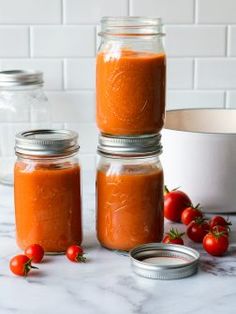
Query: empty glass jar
[(23, 106)]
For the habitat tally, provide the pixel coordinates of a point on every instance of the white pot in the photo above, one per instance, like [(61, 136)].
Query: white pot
[(199, 155)]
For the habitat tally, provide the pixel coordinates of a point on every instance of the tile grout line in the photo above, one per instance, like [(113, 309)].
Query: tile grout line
[(62, 12), (227, 42), (129, 7), (194, 74), (30, 42), (64, 66), (195, 11)]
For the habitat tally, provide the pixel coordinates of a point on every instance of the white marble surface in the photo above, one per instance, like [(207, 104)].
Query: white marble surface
[(106, 284)]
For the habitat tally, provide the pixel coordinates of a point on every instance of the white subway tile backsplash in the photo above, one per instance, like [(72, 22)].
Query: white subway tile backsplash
[(232, 40), (30, 11), (195, 99), (59, 38), (14, 41), (177, 11), (73, 106), (87, 136), (80, 73), (52, 70), (216, 11), (63, 41), (231, 99), (179, 73), (216, 73), (195, 40), (88, 161), (91, 11)]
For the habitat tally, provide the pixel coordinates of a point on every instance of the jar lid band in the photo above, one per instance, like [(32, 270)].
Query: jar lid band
[(46, 143), (13, 78), (141, 145)]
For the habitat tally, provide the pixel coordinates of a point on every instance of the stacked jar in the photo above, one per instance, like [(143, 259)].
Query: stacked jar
[(130, 96)]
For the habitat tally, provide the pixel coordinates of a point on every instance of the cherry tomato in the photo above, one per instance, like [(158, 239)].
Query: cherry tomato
[(216, 243), (197, 229), (21, 265), (174, 237), (190, 213), (218, 221), (75, 253), (35, 252), (174, 203), (224, 229)]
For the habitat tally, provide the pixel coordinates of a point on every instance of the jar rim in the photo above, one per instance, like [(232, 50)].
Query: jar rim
[(131, 25), (132, 146), (46, 143)]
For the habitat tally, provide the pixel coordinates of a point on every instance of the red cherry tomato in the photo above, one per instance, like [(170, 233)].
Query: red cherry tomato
[(216, 243), (190, 213), (35, 252), (218, 221), (174, 203), (75, 253), (174, 237), (20, 265), (197, 229)]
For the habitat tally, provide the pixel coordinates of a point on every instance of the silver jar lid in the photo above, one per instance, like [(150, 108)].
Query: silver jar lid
[(13, 78), (46, 143), (164, 261), (130, 145)]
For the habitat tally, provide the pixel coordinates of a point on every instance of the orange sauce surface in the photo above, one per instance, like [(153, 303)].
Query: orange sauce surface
[(129, 209), (130, 92), (47, 206)]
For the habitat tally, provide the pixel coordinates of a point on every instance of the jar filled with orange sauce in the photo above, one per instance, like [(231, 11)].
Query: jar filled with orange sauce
[(47, 190), (129, 191), (130, 76)]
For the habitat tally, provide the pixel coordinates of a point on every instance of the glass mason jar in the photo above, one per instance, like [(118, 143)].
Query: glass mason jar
[(23, 105), (129, 191), (130, 76), (47, 190)]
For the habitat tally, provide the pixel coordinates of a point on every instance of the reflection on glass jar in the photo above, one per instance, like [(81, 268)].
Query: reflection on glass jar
[(23, 105), (129, 192), (130, 76), (47, 190)]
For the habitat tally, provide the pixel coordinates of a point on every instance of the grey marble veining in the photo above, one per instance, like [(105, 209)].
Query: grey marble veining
[(106, 284)]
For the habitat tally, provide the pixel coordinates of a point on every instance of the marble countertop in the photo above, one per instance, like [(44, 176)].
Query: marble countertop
[(106, 284)]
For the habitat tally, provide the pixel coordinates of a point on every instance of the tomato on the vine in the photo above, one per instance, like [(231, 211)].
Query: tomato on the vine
[(174, 237), (197, 229), (218, 221), (190, 213), (20, 265), (175, 202), (216, 243), (75, 253), (224, 229), (35, 252)]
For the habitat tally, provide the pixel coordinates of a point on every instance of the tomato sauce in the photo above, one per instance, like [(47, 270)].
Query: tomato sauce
[(129, 208), (47, 206), (130, 92)]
